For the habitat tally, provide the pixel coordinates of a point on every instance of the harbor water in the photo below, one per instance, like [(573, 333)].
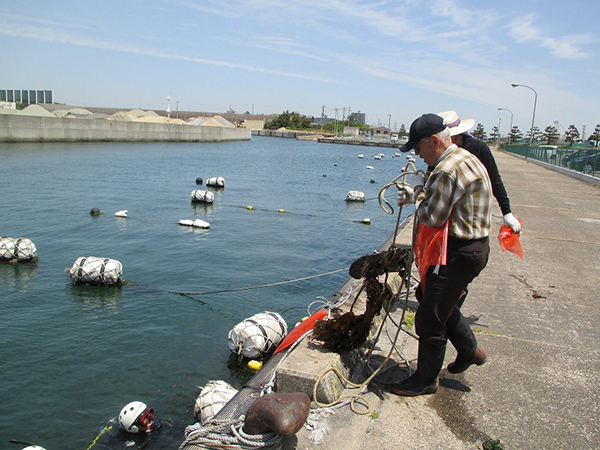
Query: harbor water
[(72, 356)]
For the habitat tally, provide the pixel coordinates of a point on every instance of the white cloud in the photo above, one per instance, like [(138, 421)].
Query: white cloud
[(566, 47)]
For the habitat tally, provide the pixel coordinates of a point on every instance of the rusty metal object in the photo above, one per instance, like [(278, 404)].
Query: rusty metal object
[(279, 412), (395, 259)]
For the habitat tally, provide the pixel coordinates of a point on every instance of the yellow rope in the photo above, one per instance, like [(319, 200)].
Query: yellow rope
[(98, 437)]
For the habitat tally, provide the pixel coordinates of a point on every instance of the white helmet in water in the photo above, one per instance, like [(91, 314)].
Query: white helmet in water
[(136, 417)]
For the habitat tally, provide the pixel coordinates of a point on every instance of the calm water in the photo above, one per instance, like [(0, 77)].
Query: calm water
[(71, 357)]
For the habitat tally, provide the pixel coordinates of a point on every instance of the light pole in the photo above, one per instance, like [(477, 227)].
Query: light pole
[(534, 105), (168, 106), (389, 123), (498, 137), (511, 122)]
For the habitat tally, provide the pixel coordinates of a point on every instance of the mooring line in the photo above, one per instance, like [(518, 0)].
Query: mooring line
[(260, 285)]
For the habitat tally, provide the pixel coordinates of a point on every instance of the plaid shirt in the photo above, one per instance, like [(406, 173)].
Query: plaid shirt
[(458, 185)]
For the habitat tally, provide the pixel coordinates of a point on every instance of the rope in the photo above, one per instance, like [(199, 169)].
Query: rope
[(279, 283), (98, 437), (224, 433)]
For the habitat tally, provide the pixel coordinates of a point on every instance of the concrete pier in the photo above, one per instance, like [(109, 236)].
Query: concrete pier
[(537, 319), (17, 128)]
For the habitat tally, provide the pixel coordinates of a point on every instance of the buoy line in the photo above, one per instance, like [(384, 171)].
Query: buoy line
[(278, 283)]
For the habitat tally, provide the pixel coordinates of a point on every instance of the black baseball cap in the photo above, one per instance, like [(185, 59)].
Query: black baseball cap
[(421, 128)]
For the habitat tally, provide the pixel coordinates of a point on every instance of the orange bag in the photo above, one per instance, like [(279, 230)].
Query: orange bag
[(509, 240), (430, 248)]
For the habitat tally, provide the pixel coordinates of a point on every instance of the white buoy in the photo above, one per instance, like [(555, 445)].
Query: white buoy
[(202, 196), (257, 335), (216, 182), (200, 224), (355, 196), (186, 222), (361, 156), (19, 249), (96, 271), (369, 167), (211, 399), (122, 213)]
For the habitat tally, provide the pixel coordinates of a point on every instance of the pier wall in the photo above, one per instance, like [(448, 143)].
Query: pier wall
[(16, 128)]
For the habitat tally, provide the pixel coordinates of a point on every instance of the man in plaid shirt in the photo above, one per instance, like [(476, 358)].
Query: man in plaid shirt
[(458, 193)]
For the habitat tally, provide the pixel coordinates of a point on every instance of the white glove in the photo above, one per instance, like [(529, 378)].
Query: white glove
[(406, 195), (513, 222), (415, 179)]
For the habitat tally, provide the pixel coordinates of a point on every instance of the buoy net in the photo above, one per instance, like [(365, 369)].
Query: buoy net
[(215, 182), (211, 400), (257, 335), (96, 271), (19, 249), (202, 196)]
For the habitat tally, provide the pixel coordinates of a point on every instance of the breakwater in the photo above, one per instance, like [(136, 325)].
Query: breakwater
[(16, 128)]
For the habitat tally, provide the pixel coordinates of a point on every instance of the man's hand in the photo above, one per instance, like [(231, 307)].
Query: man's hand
[(513, 222), (415, 179), (406, 195)]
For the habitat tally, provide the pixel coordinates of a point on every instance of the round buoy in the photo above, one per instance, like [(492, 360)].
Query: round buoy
[(254, 364), (324, 176), (95, 212), (366, 220), (334, 165), (249, 207), (198, 180), (372, 181), (281, 211)]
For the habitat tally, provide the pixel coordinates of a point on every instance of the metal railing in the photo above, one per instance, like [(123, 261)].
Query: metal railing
[(584, 160)]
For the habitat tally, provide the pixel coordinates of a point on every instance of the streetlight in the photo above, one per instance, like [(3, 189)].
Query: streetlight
[(534, 105), (511, 122), (389, 123), (498, 137), (168, 106)]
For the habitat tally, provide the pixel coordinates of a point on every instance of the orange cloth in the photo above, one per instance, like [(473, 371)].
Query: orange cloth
[(430, 248)]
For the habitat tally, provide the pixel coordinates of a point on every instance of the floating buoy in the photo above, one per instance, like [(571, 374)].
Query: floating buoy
[(19, 249), (366, 220), (200, 224), (211, 399), (186, 222), (122, 213), (372, 181), (334, 165), (215, 182), (198, 180), (355, 196), (361, 156), (370, 167), (201, 196), (281, 211), (324, 176), (257, 335), (249, 208), (254, 364), (95, 212), (96, 271)]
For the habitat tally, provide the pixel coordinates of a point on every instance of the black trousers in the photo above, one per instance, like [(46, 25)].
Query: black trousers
[(465, 259)]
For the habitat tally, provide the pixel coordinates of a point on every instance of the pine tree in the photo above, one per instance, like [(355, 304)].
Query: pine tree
[(479, 132), (495, 133), (515, 134), (536, 133), (572, 135), (596, 135), (402, 131), (550, 135)]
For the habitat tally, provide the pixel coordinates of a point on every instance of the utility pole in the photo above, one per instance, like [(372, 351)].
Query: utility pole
[(389, 123)]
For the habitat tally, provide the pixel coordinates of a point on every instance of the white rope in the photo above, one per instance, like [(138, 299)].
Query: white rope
[(224, 433)]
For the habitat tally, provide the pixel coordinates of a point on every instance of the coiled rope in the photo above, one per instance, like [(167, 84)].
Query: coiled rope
[(225, 433)]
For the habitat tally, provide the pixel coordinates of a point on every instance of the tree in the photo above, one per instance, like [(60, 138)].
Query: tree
[(515, 134), (495, 133), (595, 136), (536, 134), (550, 135), (479, 132), (289, 120), (572, 135)]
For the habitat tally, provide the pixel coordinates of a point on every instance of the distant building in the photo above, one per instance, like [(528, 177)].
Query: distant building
[(379, 130), (27, 97), (360, 117)]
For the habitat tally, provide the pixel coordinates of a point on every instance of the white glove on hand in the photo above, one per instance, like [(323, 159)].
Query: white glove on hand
[(415, 179), (406, 195), (513, 222)]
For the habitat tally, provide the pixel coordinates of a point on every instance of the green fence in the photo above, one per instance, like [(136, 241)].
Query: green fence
[(585, 160)]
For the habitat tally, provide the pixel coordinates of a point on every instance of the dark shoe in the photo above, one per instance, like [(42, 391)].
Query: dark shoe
[(462, 363), (413, 386)]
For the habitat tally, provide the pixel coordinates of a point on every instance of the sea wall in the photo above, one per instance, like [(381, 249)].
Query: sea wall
[(16, 128)]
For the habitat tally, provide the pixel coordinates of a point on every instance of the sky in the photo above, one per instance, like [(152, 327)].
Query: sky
[(392, 60)]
